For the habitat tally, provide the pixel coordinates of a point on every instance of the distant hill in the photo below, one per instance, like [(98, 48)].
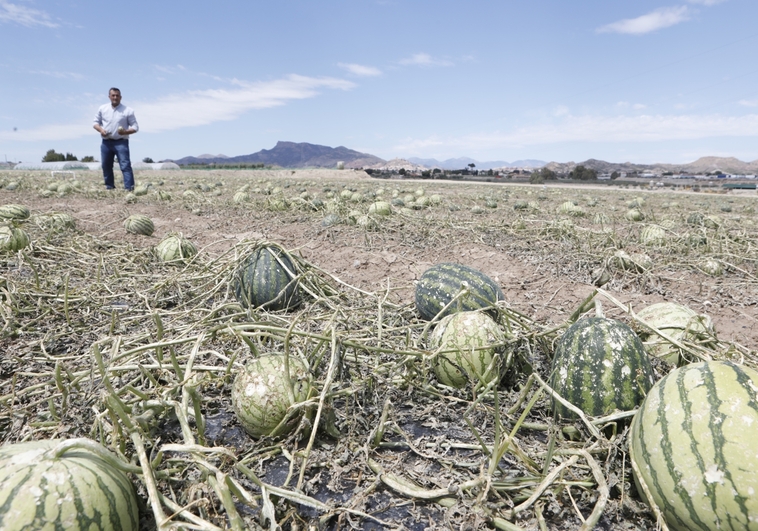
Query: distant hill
[(293, 155), (462, 162), (700, 166)]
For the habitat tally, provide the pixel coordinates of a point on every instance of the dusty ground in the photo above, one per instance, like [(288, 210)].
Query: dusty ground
[(542, 278)]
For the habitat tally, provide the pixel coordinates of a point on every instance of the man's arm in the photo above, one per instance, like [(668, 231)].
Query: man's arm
[(97, 125)]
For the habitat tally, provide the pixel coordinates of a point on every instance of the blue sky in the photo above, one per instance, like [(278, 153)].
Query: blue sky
[(626, 80)]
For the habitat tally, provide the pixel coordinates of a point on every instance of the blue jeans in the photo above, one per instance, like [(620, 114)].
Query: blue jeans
[(118, 148)]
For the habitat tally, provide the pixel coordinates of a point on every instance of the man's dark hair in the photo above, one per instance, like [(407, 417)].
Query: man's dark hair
[(114, 89)]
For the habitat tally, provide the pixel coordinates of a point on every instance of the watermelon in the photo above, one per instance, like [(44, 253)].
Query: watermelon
[(80, 489), (380, 208), (441, 283), (267, 278), (653, 235), (466, 343), (15, 212), (13, 238), (693, 445), (55, 221), (676, 321), (261, 398), (600, 366), (175, 248), (139, 224)]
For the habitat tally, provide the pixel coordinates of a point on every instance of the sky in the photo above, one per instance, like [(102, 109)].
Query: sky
[(641, 81)]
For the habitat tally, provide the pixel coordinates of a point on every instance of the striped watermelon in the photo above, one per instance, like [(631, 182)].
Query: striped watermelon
[(260, 395), (13, 238), (55, 221), (600, 365), (441, 283), (694, 446), (76, 491), (175, 248), (139, 224), (17, 212), (466, 344), (266, 278)]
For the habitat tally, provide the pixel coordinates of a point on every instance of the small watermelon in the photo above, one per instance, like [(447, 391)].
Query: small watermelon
[(13, 238), (14, 212), (441, 284), (693, 444), (600, 366), (267, 278), (262, 395), (676, 321), (466, 344), (139, 224), (175, 248)]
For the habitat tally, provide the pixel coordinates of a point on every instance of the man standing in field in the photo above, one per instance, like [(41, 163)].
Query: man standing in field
[(115, 122)]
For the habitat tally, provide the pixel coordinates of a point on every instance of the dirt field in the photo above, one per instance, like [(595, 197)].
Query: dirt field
[(99, 285)]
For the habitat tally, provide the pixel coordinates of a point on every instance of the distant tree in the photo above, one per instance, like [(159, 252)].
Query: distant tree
[(436, 170), (148, 160), (580, 173), (426, 174), (490, 172), (615, 175), (88, 158), (52, 156), (402, 171), (472, 166), (536, 178), (70, 156)]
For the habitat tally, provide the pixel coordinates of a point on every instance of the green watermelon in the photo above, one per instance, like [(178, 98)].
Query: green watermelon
[(15, 212), (175, 248), (693, 444), (13, 238), (78, 490), (466, 344), (600, 366), (139, 224), (441, 283), (261, 398), (266, 278)]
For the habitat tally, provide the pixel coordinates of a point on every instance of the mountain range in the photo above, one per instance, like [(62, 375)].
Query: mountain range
[(305, 155), (293, 155)]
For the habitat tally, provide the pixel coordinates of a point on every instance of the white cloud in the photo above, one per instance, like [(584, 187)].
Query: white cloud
[(360, 70), (424, 59), (596, 129), (24, 15), (706, 2), (655, 20), (200, 107), (58, 75), (749, 103)]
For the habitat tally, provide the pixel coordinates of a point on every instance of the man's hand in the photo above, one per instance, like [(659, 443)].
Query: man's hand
[(104, 133)]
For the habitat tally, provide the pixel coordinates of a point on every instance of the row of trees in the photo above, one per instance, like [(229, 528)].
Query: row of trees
[(54, 156)]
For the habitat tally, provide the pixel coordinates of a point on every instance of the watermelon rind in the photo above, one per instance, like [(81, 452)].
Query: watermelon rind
[(600, 366), (442, 283), (13, 238), (76, 490), (693, 447)]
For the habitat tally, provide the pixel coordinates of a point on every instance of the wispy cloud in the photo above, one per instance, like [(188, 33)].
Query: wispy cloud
[(634, 106), (58, 75), (201, 107), (748, 103), (424, 59), (360, 70), (596, 129), (655, 20), (706, 2), (24, 15)]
